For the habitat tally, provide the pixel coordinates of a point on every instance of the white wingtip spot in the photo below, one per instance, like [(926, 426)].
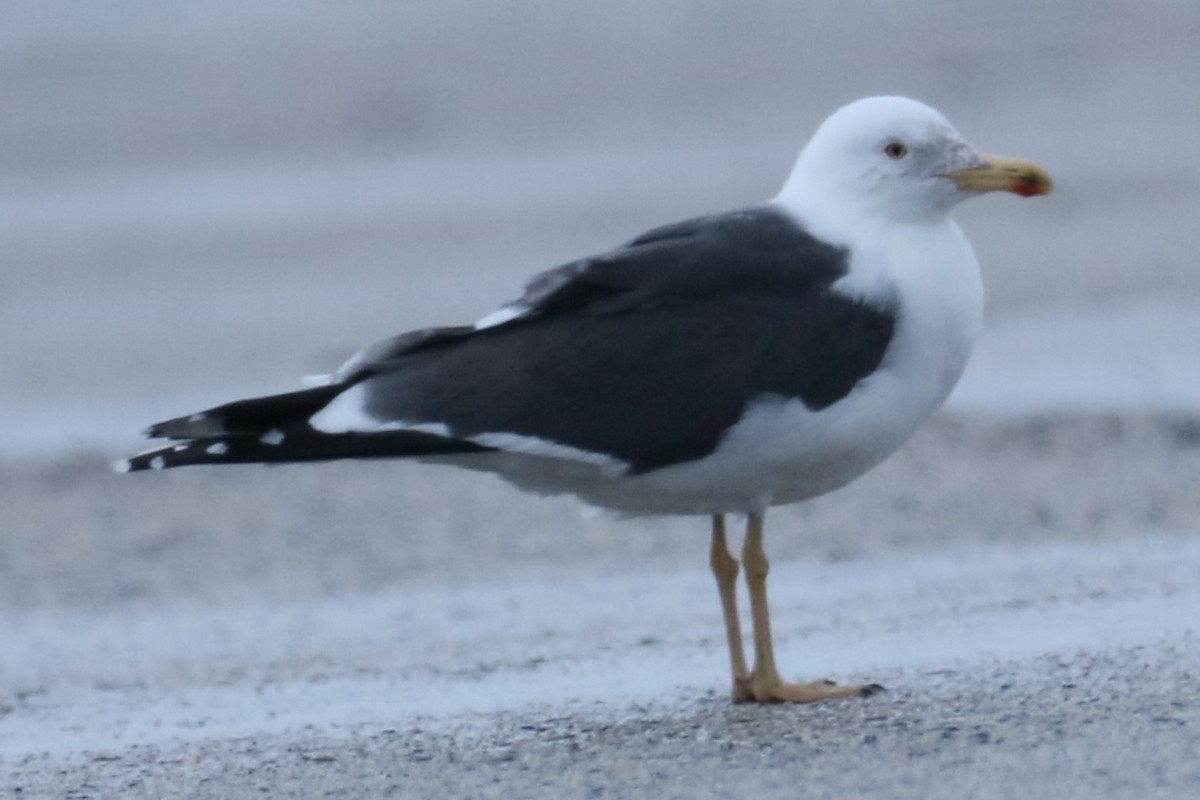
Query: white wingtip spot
[(157, 463), (218, 449), (122, 466), (272, 437)]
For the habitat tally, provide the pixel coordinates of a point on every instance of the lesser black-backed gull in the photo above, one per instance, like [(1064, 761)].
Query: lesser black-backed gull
[(717, 366)]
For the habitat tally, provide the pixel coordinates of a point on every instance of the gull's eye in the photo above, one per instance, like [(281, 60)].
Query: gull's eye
[(895, 150)]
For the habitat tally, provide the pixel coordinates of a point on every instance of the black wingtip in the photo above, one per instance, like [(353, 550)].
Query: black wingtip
[(193, 426), (294, 445), (151, 459)]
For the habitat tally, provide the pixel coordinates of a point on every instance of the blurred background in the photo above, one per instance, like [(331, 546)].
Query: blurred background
[(200, 200)]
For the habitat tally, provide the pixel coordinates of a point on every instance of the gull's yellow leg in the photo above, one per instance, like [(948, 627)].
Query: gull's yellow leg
[(765, 684), (725, 568)]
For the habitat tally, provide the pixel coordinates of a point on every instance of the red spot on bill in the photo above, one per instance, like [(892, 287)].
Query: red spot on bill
[(1029, 188)]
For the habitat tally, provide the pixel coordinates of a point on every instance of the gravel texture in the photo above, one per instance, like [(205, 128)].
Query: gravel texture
[(1027, 590)]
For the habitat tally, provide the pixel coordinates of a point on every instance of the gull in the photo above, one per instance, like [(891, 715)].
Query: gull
[(717, 366)]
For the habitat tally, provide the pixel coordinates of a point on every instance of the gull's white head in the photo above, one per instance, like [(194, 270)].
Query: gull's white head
[(900, 160)]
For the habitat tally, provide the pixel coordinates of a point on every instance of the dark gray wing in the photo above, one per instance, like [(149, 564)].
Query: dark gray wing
[(648, 353)]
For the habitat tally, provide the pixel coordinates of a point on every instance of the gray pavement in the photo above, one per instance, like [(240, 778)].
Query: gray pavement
[(199, 200)]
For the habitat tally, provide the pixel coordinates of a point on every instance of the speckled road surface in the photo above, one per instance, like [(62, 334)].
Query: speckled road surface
[(208, 199)]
